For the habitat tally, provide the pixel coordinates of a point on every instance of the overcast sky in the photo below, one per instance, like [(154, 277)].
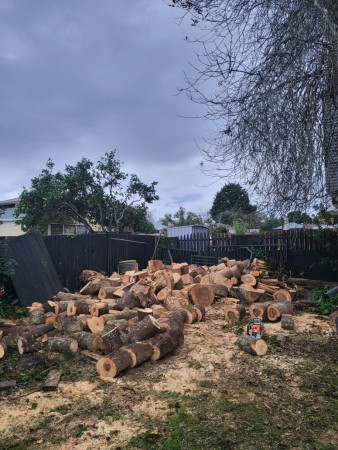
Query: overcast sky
[(82, 77)]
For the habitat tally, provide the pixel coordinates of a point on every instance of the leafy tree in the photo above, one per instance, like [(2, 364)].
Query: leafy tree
[(231, 202), (267, 73), (326, 217), (270, 224), (299, 217), (90, 194), (181, 217), (137, 219), (219, 229)]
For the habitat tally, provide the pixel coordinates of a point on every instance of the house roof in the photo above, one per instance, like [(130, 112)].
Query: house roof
[(9, 202)]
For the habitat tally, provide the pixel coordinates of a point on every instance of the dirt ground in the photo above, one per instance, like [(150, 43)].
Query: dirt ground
[(203, 385)]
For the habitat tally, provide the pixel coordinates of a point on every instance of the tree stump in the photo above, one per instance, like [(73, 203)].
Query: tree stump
[(111, 365), (252, 345)]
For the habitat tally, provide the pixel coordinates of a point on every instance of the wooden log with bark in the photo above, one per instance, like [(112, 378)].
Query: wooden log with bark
[(76, 307), (128, 300), (98, 309), (249, 279), (143, 312), (89, 275), (51, 306), (259, 311), (62, 344), (200, 312), (114, 338), (107, 292), (234, 312), (3, 350), (202, 295), (251, 294), (282, 295), (155, 264), (277, 309), (87, 341), (28, 345), (164, 343), (37, 317), (252, 345), (111, 365), (144, 329), (140, 352)]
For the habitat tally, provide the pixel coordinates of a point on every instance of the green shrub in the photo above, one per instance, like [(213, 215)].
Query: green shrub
[(323, 304)]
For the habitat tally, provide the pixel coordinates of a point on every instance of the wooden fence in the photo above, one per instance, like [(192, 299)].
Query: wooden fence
[(100, 252)]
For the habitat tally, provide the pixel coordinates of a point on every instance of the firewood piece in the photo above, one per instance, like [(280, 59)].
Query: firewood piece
[(66, 297), (227, 273), (96, 324), (229, 300), (235, 272), (142, 313), (52, 381), (277, 309), (51, 317), (50, 306), (38, 330), (142, 298), (200, 312), (172, 302), (159, 310), (268, 289), (89, 275), (77, 307), (107, 292), (177, 317), (259, 311), (91, 355), (73, 324), (163, 294), (3, 350), (37, 317), (28, 346), (198, 278), (99, 308), (249, 279), (252, 295), (231, 262), (165, 343), (63, 344), (114, 338), (178, 282), (87, 341), (234, 312), (128, 300), (155, 264), (111, 365), (271, 281), (287, 322), (187, 279), (192, 314), (283, 296), (220, 290), (118, 315), (144, 329), (122, 324), (252, 345), (139, 352), (6, 385), (202, 295)]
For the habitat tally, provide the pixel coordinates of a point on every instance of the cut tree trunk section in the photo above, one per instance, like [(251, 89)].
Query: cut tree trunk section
[(202, 295), (144, 329), (259, 311), (287, 322), (252, 345), (234, 312), (277, 309), (111, 365)]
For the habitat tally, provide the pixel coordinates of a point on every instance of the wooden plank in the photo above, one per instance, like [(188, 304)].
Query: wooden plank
[(52, 380), (35, 278), (6, 385)]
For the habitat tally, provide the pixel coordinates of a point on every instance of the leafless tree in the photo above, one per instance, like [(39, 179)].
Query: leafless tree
[(267, 73)]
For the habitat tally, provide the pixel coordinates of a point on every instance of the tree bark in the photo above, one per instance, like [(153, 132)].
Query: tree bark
[(63, 345), (252, 345), (276, 310), (139, 352), (98, 309), (165, 343), (76, 307), (287, 322), (144, 329), (259, 311), (235, 312), (111, 365)]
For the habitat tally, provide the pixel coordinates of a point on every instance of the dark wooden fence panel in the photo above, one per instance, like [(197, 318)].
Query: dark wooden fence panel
[(35, 278), (100, 252)]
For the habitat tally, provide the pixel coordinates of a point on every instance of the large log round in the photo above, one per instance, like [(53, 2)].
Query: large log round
[(144, 329), (275, 310), (202, 295), (111, 365)]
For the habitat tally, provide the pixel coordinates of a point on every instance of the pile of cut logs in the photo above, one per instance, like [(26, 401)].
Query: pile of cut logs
[(123, 320)]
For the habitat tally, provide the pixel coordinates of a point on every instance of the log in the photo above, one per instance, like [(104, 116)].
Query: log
[(277, 309), (271, 281), (287, 322), (229, 300), (89, 275), (65, 296), (96, 324), (3, 350), (51, 317), (178, 282), (37, 317), (165, 343), (144, 329), (251, 295), (173, 302), (62, 345), (202, 295), (122, 324), (249, 279), (139, 352), (52, 381), (177, 317), (192, 314), (111, 365), (200, 312), (284, 296), (252, 345), (87, 341), (234, 312), (142, 298), (220, 290), (187, 279), (259, 311), (235, 272), (142, 313), (98, 309), (76, 307), (265, 287), (159, 310), (28, 345), (50, 306), (107, 292), (155, 264), (114, 338), (163, 294), (118, 315), (128, 300), (73, 324)]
